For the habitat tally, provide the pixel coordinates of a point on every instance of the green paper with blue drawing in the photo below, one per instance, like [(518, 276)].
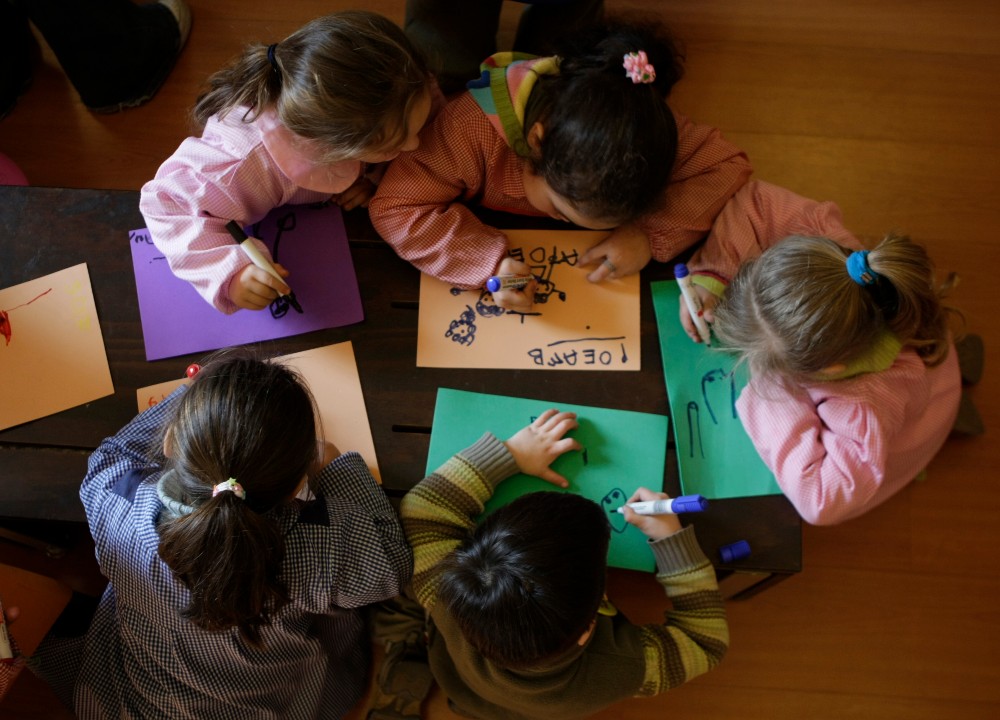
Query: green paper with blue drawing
[(714, 453), (622, 450)]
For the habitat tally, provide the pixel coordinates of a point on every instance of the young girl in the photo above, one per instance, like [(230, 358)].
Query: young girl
[(228, 597), (586, 137), (299, 121), (854, 379)]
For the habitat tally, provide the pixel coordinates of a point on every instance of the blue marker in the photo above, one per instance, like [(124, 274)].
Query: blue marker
[(693, 302), (508, 282), (734, 551), (671, 506)]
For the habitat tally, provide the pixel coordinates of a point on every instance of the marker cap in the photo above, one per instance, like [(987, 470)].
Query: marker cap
[(681, 271), (493, 284), (689, 504), (734, 551)]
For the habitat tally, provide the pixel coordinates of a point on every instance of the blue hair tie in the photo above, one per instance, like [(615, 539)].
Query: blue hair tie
[(858, 269)]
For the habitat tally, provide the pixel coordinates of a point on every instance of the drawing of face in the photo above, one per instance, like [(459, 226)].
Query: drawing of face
[(610, 504), (718, 393), (486, 307), (463, 330)]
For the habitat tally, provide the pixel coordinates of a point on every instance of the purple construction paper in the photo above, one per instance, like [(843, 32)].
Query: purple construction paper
[(311, 244)]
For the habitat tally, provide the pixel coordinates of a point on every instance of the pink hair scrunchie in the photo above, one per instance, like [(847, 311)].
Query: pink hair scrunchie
[(638, 68)]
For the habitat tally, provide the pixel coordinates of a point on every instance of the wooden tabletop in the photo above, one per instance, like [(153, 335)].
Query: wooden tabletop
[(43, 230)]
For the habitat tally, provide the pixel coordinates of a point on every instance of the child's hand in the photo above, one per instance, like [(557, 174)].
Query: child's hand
[(537, 446), (708, 303), (655, 527), (255, 289), (357, 195), (624, 252), (515, 298)]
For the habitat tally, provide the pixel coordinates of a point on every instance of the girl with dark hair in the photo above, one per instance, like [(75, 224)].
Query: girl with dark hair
[(227, 596), (585, 136), (311, 117), (855, 382)]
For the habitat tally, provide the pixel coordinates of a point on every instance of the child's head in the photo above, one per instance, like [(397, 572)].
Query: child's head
[(602, 144), (527, 585), (251, 421), (808, 306), (350, 83)]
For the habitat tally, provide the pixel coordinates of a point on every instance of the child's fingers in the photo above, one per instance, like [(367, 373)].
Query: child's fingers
[(281, 270), (552, 477), (262, 283), (643, 493), (605, 270)]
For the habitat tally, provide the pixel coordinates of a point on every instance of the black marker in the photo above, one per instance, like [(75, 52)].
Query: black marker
[(259, 260)]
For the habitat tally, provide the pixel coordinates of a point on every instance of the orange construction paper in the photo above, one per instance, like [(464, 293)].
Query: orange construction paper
[(52, 353), (332, 376), (573, 325)]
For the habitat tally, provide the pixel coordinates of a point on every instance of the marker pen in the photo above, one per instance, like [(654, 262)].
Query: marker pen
[(258, 259), (508, 282), (693, 302), (672, 506)]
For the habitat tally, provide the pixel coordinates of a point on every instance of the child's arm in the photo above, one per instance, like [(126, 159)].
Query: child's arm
[(707, 172), (196, 191), (418, 207), (441, 511), (134, 449), (829, 457)]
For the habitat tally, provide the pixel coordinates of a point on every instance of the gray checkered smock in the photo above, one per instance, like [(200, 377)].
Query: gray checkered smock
[(142, 659)]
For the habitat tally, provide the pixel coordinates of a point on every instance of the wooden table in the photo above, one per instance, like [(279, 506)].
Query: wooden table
[(43, 230)]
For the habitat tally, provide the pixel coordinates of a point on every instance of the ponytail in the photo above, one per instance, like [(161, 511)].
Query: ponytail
[(250, 81), (253, 422), (229, 557)]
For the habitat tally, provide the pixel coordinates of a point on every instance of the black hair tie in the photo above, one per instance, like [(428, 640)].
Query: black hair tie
[(271, 59)]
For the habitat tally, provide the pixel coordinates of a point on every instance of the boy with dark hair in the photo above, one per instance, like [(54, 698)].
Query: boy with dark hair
[(517, 623)]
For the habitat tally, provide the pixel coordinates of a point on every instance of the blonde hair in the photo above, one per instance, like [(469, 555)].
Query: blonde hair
[(346, 80), (795, 310)]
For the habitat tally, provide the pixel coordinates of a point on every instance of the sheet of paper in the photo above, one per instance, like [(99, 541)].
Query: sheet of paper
[(714, 454), (332, 376), (52, 353), (622, 451), (573, 325), (310, 241)]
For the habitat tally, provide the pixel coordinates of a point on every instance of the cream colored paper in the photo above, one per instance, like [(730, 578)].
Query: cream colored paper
[(574, 324), (52, 353), (332, 376)]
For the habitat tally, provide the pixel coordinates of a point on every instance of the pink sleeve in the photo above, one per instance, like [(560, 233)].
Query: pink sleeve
[(707, 172), (186, 206), (419, 210), (829, 458), (759, 216)]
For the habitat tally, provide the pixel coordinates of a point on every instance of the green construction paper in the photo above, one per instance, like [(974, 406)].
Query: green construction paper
[(720, 461), (622, 451)]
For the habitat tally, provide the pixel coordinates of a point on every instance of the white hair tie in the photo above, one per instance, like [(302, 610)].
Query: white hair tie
[(232, 486)]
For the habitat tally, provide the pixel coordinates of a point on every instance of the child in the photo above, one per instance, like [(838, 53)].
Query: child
[(586, 137), (854, 380), (518, 623), (228, 597), (298, 121)]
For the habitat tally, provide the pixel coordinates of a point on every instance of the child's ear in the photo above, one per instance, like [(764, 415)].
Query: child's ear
[(535, 135)]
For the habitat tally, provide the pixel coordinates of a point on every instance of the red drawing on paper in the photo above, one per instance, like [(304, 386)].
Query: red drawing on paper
[(5, 328)]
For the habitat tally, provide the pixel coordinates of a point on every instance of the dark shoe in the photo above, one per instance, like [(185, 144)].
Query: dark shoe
[(968, 421), (180, 18), (403, 681), (970, 358), (21, 54)]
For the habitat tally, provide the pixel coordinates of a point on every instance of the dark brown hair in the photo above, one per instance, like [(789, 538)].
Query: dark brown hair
[(253, 421)]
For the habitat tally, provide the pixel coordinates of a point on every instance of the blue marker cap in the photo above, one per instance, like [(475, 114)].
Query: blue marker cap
[(734, 551), (681, 271), (689, 504), (493, 284)]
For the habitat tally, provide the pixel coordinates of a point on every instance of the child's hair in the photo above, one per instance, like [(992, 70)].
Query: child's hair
[(609, 144), (795, 310), (253, 421), (528, 583), (347, 81)]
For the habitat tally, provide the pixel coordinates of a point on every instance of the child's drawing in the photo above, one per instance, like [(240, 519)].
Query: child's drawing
[(611, 502), (710, 381), (6, 329), (573, 323), (279, 307), (694, 429)]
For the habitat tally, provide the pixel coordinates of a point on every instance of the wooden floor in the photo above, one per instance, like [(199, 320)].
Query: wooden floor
[(892, 109)]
